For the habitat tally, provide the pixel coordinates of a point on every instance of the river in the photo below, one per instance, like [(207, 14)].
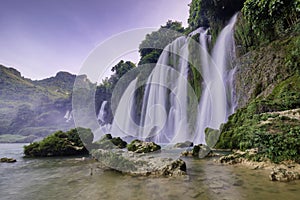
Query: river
[(70, 178)]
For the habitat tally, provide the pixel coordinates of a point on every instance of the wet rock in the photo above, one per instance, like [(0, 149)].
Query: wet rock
[(8, 160), (138, 146), (238, 157), (199, 151), (283, 175), (230, 159), (184, 144), (109, 142), (139, 164)]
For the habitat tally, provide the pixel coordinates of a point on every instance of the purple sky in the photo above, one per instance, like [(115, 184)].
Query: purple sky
[(42, 37)]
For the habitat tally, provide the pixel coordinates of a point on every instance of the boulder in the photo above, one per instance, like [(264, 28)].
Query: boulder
[(109, 142), (139, 146), (139, 164), (283, 175), (184, 144), (8, 160), (199, 151)]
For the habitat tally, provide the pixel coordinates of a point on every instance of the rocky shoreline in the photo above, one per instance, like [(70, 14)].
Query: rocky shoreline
[(282, 172), (136, 164)]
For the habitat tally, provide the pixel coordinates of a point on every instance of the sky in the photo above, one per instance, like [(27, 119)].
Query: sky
[(41, 37)]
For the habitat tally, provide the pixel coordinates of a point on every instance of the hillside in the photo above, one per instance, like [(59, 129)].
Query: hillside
[(31, 109)]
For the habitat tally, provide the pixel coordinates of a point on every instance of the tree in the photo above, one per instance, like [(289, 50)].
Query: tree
[(151, 48), (122, 68)]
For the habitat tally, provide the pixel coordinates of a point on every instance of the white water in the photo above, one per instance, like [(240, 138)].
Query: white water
[(102, 113), (164, 114), (68, 116), (216, 102), (123, 124), (165, 100)]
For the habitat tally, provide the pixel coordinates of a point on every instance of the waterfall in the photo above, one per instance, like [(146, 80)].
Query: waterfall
[(68, 116), (124, 124), (164, 113), (102, 113), (164, 105), (216, 102)]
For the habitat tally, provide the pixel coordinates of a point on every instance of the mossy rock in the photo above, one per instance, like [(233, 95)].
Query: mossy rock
[(109, 142), (211, 136), (60, 144), (8, 160), (139, 146)]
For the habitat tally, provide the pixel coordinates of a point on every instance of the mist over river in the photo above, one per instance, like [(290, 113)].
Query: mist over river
[(70, 178)]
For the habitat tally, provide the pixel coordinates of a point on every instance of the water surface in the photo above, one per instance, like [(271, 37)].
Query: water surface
[(70, 178)]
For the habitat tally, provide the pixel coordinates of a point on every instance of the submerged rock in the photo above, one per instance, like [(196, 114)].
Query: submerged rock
[(139, 146), (184, 144), (8, 160), (283, 175), (139, 164)]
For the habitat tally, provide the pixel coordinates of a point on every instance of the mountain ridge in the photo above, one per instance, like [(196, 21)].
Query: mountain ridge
[(33, 108)]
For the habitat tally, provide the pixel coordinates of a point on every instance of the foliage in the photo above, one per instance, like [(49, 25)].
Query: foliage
[(213, 14), (276, 147), (151, 48), (269, 18), (61, 144), (276, 135)]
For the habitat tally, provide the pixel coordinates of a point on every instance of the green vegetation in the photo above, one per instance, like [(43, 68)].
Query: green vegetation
[(61, 144), (259, 125), (213, 14), (151, 48), (33, 107), (269, 18)]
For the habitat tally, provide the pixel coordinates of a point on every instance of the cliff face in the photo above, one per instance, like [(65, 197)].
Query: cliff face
[(267, 84), (260, 71)]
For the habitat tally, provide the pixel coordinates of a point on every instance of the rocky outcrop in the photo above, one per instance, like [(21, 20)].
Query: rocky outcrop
[(283, 172), (109, 142), (283, 175), (139, 164), (8, 160), (184, 144), (139, 146), (258, 73), (198, 151), (70, 143), (237, 156)]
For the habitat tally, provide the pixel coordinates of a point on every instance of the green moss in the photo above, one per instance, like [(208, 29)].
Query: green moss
[(252, 126), (61, 144)]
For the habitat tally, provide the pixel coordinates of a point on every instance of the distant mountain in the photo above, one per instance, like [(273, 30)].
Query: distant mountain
[(32, 109)]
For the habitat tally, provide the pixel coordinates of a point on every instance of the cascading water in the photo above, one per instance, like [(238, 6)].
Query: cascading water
[(68, 116), (164, 106), (164, 114), (123, 124), (217, 102), (102, 113)]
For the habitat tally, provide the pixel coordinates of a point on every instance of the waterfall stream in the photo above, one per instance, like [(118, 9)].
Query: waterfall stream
[(164, 114)]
